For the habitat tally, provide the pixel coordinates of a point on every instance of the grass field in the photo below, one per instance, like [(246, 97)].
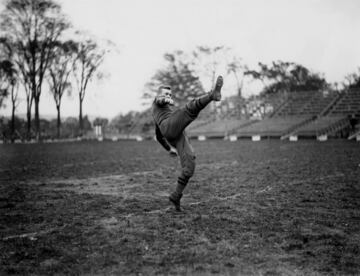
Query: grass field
[(265, 208)]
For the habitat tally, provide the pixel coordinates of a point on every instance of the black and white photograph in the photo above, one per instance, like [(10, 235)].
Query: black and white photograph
[(168, 137)]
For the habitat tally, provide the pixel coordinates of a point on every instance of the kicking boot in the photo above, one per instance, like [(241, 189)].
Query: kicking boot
[(216, 93), (175, 199)]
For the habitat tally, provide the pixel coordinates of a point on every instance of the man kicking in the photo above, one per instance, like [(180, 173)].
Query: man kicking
[(170, 124)]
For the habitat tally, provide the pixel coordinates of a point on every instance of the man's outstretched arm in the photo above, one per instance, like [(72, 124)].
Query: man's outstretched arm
[(161, 139)]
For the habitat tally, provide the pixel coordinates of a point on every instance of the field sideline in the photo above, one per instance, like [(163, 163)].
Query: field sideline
[(264, 208)]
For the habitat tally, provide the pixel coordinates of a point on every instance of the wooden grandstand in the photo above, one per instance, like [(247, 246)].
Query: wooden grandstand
[(348, 104), (273, 127), (295, 104), (336, 118), (219, 128), (322, 126)]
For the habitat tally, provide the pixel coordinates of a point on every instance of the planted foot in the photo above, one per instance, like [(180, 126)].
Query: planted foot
[(175, 198)]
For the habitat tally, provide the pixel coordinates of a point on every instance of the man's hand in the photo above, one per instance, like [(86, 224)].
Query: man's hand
[(161, 100), (169, 101), (173, 152)]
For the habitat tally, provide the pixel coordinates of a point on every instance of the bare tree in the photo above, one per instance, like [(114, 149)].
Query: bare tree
[(208, 60), (32, 27), (178, 74), (89, 58), (352, 80), (59, 72), (14, 105), (237, 68), (9, 82), (4, 83), (6, 68), (3, 95)]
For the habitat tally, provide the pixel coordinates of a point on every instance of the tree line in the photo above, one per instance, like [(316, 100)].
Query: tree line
[(39, 45)]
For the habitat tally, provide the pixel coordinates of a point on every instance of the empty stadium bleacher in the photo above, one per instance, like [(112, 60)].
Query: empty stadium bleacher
[(321, 126), (319, 103), (295, 104), (349, 103), (265, 106), (276, 126), (219, 128)]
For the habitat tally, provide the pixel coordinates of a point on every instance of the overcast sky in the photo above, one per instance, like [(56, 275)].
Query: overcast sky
[(323, 35)]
